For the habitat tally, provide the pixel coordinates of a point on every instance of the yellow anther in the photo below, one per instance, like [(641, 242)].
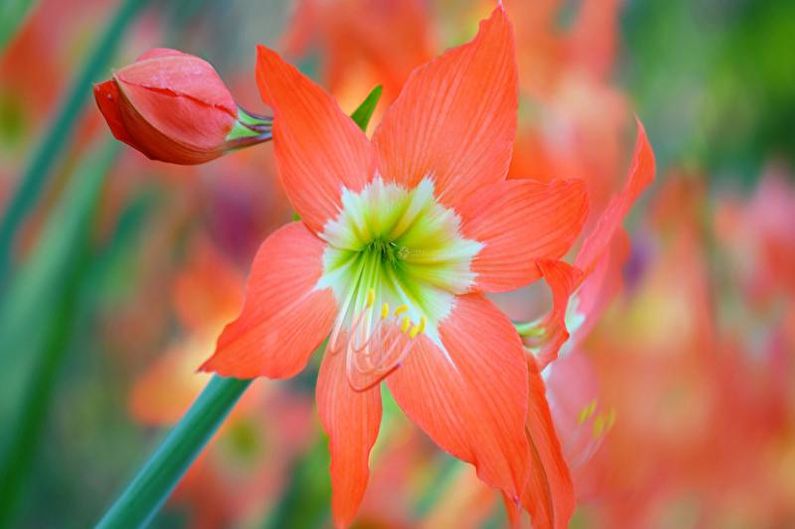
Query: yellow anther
[(384, 311), (404, 325), (419, 328), (599, 426), (586, 412), (400, 309), (370, 297)]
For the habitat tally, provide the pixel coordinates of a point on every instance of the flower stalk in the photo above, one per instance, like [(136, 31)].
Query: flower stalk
[(150, 488)]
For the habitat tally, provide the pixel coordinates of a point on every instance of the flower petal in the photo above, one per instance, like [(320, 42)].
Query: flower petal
[(521, 222), (469, 393), (548, 493), (351, 419), (284, 318), (318, 148), (109, 101), (455, 119), (641, 174), (550, 333)]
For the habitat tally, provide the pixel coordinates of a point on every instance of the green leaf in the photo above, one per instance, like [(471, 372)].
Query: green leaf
[(365, 111), (35, 177), (36, 321), (154, 482), (12, 16)]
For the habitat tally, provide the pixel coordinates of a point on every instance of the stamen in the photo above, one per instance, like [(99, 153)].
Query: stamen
[(370, 298), (423, 323), (586, 412)]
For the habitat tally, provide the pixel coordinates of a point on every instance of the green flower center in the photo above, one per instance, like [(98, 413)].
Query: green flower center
[(396, 259)]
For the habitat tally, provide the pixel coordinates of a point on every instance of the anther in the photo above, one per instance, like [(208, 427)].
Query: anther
[(370, 297), (419, 328), (404, 325), (400, 309), (586, 412), (384, 311)]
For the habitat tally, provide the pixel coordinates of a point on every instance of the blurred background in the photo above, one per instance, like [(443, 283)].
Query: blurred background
[(677, 410)]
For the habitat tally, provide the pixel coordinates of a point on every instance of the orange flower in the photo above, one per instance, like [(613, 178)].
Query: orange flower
[(399, 241), (174, 107)]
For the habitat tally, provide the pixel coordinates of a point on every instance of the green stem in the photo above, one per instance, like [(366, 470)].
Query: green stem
[(147, 492), (35, 176)]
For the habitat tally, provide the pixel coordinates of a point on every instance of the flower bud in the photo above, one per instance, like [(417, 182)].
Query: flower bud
[(174, 107)]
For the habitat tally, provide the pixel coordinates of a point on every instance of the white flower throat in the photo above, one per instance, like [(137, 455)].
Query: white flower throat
[(395, 261)]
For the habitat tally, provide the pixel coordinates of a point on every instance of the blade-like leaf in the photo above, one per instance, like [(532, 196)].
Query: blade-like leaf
[(36, 319), (361, 116), (35, 177)]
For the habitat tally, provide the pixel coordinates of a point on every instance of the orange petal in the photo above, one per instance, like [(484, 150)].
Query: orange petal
[(351, 419), (520, 222), (284, 319), (455, 119), (563, 279), (318, 148), (110, 101), (470, 396), (548, 494), (641, 174)]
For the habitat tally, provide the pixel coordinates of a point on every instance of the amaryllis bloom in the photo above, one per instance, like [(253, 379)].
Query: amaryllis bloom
[(399, 239), (174, 107)]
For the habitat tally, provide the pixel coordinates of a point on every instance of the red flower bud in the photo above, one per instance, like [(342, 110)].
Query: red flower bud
[(174, 107)]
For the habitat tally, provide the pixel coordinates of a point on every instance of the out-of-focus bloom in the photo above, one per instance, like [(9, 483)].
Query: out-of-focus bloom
[(759, 238), (206, 294), (362, 43), (242, 470), (714, 422), (399, 240), (174, 107)]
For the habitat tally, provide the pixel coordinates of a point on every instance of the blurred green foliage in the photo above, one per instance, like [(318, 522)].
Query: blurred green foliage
[(715, 82)]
